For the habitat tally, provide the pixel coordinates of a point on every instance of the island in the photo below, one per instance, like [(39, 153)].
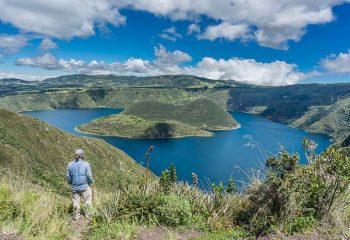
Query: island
[(152, 119)]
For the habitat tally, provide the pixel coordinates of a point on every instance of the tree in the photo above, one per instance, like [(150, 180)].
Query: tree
[(172, 173), (164, 180), (231, 186)]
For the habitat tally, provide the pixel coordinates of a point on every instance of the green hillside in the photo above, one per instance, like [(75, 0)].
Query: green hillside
[(333, 120), (114, 98), (136, 127), (175, 81), (40, 153), (286, 103), (83, 81), (150, 119)]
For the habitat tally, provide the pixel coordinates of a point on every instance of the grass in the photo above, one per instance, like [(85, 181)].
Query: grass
[(277, 204), (39, 152), (291, 199), (150, 119), (36, 213)]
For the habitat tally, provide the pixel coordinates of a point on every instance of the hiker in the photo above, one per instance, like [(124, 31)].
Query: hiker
[(79, 176)]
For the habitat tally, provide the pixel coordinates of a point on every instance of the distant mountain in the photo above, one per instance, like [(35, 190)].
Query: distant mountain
[(82, 81), (300, 105), (105, 81), (14, 85), (13, 81), (40, 153), (150, 119)]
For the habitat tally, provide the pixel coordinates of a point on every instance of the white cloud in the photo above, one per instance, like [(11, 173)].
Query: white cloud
[(227, 31), (172, 31), (170, 34), (337, 63), (170, 62), (10, 44), (193, 28), (167, 37), (272, 22), (46, 61), (247, 70), (59, 18), (47, 44), (166, 58)]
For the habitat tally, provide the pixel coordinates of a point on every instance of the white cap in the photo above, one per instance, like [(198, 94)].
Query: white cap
[(79, 152)]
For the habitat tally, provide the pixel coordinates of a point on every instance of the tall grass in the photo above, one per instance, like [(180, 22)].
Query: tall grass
[(33, 212), (291, 198)]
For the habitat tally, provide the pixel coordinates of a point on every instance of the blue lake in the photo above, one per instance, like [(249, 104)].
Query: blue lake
[(238, 153)]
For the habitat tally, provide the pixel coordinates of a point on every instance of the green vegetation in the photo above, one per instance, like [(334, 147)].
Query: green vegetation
[(113, 98), (285, 103), (318, 108), (304, 105), (82, 81), (150, 119), (135, 127), (331, 120), (40, 153), (291, 199)]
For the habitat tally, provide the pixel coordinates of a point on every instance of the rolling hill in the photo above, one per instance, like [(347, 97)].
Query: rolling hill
[(150, 119), (33, 150), (332, 120)]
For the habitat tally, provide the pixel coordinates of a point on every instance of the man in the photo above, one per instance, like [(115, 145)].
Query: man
[(79, 176)]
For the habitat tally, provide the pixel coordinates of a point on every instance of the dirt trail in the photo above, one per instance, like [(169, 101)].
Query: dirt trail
[(161, 234), (313, 236), (10, 236), (80, 228)]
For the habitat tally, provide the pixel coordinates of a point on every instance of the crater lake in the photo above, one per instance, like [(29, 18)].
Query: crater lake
[(239, 153)]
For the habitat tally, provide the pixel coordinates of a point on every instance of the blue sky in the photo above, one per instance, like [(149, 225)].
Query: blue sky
[(268, 42)]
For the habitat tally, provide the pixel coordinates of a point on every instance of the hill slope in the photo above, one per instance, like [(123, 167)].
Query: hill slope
[(150, 119), (40, 153), (286, 103), (333, 120)]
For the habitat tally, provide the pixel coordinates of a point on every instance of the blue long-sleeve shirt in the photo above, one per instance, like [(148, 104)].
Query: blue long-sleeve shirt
[(79, 175)]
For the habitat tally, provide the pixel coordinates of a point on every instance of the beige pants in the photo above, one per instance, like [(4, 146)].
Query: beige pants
[(87, 197)]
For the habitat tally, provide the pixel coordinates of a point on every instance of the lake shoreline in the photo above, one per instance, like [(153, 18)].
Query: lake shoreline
[(216, 158), (141, 138)]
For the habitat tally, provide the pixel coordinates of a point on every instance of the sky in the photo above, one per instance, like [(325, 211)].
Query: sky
[(265, 42)]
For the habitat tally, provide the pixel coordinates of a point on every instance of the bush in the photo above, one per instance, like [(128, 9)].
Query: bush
[(300, 224), (141, 205), (174, 211), (295, 196), (8, 208)]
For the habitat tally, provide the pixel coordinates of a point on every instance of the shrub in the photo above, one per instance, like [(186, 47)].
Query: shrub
[(231, 186), (165, 181), (174, 211), (295, 196), (8, 208)]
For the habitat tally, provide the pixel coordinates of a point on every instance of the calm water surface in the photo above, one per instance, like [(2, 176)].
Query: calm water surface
[(228, 153)]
